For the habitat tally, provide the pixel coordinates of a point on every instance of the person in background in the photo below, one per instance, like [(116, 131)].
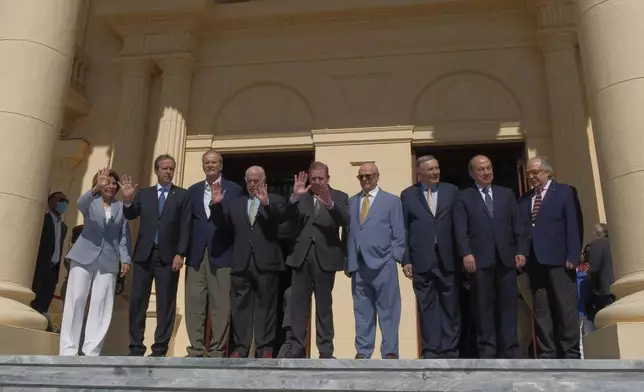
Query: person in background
[(375, 247), (285, 350), (584, 291), (162, 243), (601, 270), (50, 253), (101, 253), (208, 263)]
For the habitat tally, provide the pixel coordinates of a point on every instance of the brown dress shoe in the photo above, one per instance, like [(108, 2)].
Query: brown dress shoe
[(390, 356), (234, 355), (360, 356), (267, 354)]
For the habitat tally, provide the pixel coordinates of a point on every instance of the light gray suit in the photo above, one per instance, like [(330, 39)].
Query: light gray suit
[(102, 241), (374, 249)]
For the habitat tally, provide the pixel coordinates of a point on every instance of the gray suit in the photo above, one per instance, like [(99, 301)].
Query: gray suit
[(95, 256), (101, 241), (374, 249)]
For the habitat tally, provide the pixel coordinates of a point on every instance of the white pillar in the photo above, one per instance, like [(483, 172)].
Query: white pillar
[(612, 49), (175, 105), (36, 52), (569, 120), (127, 148)]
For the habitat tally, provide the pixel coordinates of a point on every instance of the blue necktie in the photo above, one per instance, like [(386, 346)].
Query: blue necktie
[(161, 204), (488, 202)]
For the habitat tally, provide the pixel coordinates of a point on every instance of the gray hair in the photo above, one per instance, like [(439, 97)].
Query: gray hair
[(603, 227), (257, 169), (544, 164), (423, 159)]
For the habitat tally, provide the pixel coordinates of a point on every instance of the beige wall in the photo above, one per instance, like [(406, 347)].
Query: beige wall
[(467, 76)]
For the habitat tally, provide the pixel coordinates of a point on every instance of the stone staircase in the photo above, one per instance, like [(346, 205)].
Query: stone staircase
[(40, 373)]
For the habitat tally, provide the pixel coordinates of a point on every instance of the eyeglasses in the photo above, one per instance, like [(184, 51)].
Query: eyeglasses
[(366, 176)]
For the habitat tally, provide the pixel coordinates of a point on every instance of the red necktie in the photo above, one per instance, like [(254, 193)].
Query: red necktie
[(537, 205)]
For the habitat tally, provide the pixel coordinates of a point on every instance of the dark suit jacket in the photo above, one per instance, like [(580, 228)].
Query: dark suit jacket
[(481, 235), (47, 241), (173, 223), (259, 239), (321, 229), (601, 265), (554, 235), (203, 231), (422, 227)]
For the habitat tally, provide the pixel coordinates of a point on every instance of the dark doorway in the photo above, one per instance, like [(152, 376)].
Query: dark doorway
[(508, 161), (280, 167)]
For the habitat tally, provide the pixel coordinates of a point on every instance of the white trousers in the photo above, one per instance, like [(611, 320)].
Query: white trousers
[(81, 278)]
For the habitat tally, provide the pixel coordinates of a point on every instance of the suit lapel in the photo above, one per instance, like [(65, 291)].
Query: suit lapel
[(372, 207), (423, 200), (496, 200), (168, 199), (198, 195), (245, 210), (478, 199)]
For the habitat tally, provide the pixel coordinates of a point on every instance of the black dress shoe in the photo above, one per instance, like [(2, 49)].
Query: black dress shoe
[(327, 356), (157, 355), (360, 356)]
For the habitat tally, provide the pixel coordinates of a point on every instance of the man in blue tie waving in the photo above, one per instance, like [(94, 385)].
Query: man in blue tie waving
[(159, 254)]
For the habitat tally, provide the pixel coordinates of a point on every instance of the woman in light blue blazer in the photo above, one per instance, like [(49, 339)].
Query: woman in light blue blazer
[(101, 252)]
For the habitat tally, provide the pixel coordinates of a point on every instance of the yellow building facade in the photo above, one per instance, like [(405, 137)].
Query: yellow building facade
[(88, 84)]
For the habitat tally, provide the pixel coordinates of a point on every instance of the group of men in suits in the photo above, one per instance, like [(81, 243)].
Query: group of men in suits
[(228, 239)]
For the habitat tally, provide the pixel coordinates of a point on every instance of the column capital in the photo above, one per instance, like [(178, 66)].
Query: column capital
[(553, 40), (136, 66), (176, 63), (555, 13)]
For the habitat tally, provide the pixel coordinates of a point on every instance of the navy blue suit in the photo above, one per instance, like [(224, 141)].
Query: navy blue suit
[(548, 242), (431, 252), (204, 232), (491, 237)]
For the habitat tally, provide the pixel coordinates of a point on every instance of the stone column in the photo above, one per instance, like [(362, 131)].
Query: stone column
[(127, 148), (174, 107), (612, 48), (569, 120), (36, 49)]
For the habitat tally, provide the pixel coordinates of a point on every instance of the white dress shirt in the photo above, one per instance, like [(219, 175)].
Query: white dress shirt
[(543, 193), (55, 258), (371, 195), (207, 196), (489, 191)]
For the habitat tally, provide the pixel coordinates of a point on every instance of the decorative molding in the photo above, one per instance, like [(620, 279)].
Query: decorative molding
[(182, 63), (358, 136), (130, 24), (362, 16), (136, 66), (360, 163), (555, 13)]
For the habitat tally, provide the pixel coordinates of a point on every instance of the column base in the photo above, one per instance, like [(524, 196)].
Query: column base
[(23, 341), (617, 341), (17, 314)]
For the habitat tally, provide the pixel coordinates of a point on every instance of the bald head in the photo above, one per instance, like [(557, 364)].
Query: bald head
[(481, 170), (368, 176)]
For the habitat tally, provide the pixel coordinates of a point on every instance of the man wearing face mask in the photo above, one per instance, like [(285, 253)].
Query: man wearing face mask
[(50, 252), (208, 263), (486, 235), (430, 261)]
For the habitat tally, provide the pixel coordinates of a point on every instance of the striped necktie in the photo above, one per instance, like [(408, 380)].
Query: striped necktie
[(537, 205)]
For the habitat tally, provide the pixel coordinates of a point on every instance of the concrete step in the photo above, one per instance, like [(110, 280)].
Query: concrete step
[(40, 373)]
